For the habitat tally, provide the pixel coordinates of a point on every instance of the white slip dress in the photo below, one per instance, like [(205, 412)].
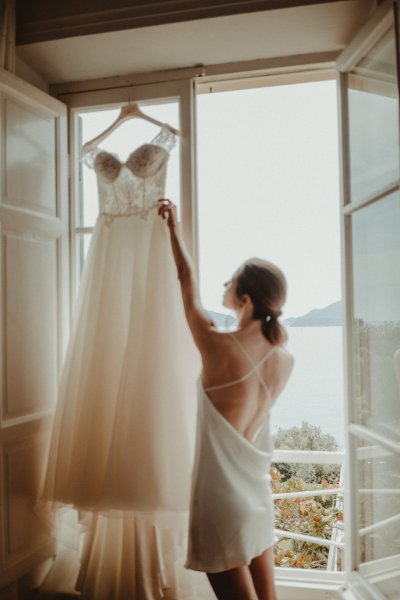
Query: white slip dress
[(232, 514)]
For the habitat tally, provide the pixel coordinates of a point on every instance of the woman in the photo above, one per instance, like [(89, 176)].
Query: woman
[(231, 520)]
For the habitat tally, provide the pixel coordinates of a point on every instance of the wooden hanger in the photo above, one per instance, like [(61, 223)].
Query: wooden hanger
[(129, 111)]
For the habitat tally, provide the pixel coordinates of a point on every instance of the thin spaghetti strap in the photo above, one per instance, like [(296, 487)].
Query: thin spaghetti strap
[(255, 366), (230, 383), (235, 381), (247, 355), (254, 369), (242, 349)]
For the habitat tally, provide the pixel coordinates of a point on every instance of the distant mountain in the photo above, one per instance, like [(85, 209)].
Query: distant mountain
[(329, 316)]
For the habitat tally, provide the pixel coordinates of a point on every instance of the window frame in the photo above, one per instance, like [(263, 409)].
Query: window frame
[(180, 90), (184, 85), (378, 24)]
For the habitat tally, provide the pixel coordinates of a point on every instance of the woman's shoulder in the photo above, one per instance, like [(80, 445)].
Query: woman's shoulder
[(284, 358), (284, 353), (215, 341)]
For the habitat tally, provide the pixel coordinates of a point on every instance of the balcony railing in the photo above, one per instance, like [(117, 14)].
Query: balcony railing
[(335, 543)]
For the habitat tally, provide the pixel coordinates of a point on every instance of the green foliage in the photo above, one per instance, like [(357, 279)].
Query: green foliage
[(310, 516), (306, 437)]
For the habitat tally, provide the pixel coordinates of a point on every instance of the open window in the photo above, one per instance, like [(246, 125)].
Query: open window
[(34, 266), (347, 235), (268, 186), (369, 102), (367, 555)]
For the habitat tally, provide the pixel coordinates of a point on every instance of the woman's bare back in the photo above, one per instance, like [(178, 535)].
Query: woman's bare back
[(247, 403)]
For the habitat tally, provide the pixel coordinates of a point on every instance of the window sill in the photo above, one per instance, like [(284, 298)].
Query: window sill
[(304, 584)]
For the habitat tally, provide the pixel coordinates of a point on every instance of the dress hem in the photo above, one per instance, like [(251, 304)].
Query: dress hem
[(240, 563)]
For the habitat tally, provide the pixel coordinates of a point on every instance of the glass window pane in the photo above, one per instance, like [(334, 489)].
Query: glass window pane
[(374, 120), (82, 247), (266, 189), (88, 201), (122, 141), (376, 324), (379, 517)]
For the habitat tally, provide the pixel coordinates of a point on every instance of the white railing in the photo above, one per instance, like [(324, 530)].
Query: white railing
[(313, 457), (335, 543), (307, 493), (311, 539)]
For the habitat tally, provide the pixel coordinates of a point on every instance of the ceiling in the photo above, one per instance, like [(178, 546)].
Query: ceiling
[(311, 28), (48, 20)]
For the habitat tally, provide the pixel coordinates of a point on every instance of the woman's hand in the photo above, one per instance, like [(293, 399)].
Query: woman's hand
[(167, 210)]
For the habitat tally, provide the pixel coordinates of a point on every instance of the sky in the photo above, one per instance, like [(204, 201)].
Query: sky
[(268, 184)]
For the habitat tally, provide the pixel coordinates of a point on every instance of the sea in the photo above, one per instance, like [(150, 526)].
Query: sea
[(315, 391)]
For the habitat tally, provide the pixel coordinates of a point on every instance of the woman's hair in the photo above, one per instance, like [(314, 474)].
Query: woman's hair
[(266, 285)]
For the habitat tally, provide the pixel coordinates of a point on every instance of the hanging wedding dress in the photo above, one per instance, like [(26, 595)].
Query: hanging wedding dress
[(124, 429)]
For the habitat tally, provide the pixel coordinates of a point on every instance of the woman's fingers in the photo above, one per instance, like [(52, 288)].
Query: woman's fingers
[(165, 202), (165, 206), (167, 210)]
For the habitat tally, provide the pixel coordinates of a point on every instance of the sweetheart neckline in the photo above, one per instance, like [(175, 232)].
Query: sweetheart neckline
[(125, 162)]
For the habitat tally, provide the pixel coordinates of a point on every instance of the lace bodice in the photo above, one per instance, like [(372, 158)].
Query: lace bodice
[(132, 187)]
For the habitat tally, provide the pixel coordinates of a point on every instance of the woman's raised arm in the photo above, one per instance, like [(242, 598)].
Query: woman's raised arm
[(199, 322)]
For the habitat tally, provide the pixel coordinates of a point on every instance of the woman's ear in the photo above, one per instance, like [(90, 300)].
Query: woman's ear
[(245, 301)]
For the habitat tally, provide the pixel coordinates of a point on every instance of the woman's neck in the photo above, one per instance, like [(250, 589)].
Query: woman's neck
[(246, 322)]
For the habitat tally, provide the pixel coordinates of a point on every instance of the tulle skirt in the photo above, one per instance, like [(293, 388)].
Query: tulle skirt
[(124, 428), (123, 437)]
